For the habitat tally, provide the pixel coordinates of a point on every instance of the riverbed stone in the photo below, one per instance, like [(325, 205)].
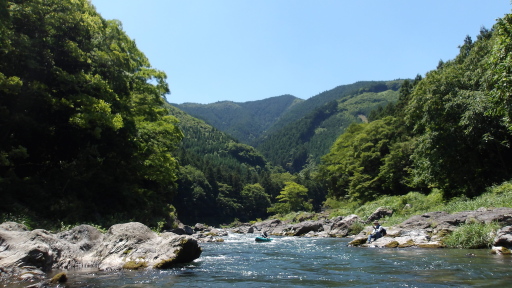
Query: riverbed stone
[(501, 250), (504, 237), (381, 212), (26, 254), (341, 228), (305, 227)]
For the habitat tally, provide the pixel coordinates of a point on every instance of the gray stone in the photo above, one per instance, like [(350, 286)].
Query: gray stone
[(504, 237), (305, 227), (341, 228), (381, 212), (85, 246)]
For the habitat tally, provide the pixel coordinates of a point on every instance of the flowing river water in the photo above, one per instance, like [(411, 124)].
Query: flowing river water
[(239, 261)]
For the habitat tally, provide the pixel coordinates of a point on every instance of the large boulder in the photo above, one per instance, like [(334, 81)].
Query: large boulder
[(271, 226), (243, 229), (422, 221), (305, 227), (381, 212), (429, 229), (398, 238), (504, 237), (341, 227), (133, 245), (130, 245), (442, 221)]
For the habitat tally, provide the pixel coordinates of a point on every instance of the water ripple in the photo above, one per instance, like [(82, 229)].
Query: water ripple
[(309, 262)]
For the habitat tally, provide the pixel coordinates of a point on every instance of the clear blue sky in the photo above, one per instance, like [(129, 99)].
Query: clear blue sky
[(243, 50)]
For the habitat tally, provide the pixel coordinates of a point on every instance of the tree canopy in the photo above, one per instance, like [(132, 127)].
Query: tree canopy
[(449, 130), (83, 130)]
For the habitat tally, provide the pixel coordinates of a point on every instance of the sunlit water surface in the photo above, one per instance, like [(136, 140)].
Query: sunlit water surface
[(314, 262)]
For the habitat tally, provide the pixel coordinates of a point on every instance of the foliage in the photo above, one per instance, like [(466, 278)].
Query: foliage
[(414, 203), (365, 162), (305, 140), (356, 228), (292, 198), (472, 236), (84, 136), (495, 196), (245, 121), (246, 154), (218, 174), (447, 131), (462, 146), (255, 201)]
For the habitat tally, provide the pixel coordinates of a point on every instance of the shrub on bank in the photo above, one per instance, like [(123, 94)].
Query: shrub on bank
[(415, 203), (472, 236)]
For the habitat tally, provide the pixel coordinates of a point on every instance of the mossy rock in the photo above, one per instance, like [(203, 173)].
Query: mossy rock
[(357, 242), (165, 264), (219, 240), (431, 245), (501, 250), (392, 244), (59, 278), (409, 243), (134, 265), (183, 255), (443, 233)]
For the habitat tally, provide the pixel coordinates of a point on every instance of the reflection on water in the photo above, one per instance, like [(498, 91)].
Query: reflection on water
[(312, 262)]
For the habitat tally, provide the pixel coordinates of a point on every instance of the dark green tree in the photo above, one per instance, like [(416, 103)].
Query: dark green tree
[(83, 134)]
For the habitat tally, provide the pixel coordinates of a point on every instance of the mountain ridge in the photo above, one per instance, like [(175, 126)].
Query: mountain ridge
[(245, 121), (291, 132)]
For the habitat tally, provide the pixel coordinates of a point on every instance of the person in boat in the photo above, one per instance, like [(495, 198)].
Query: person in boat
[(376, 233), (264, 234)]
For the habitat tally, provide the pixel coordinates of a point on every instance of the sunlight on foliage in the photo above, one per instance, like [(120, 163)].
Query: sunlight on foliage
[(472, 236)]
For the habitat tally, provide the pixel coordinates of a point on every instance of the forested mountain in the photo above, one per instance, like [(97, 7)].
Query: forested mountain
[(340, 92), (221, 179), (302, 142), (245, 121), (291, 132), (214, 170)]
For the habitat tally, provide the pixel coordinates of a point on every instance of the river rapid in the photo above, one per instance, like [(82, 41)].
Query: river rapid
[(239, 261)]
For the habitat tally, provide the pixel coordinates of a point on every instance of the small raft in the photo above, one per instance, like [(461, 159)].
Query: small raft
[(262, 239)]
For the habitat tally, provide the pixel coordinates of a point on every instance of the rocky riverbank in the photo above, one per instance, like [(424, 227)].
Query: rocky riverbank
[(424, 231), (25, 255)]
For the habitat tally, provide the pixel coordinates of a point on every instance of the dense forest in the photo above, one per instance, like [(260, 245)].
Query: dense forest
[(448, 131), (221, 180), (246, 121), (301, 143), (293, 133), (86, 135)]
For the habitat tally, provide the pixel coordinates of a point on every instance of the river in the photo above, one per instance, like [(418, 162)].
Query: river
[(239, 261)]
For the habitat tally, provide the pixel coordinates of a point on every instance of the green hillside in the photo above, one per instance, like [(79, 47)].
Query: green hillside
[(245, 121), (305, 140), (214, 171), (449, 133), (308, 106), (291, 132)]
